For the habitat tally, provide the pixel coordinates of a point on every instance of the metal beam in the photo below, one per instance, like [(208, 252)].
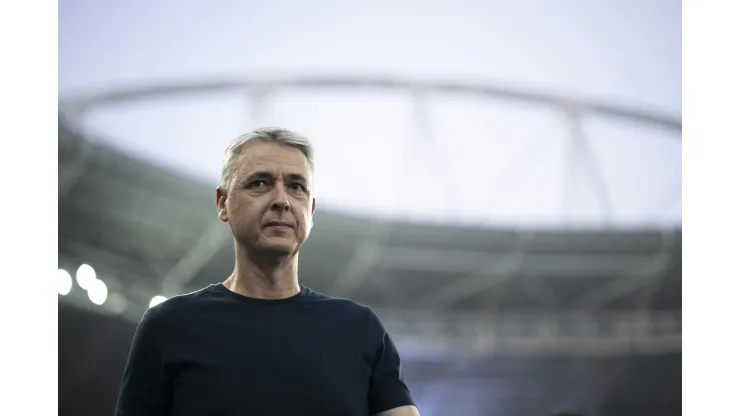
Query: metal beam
[(213, 241), (362, 262), (404, 258), (639, 278), (643, 275), (495, 273), (71, 175), (581, 145)]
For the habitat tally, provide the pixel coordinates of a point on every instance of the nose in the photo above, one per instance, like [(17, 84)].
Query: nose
[(280, 202)]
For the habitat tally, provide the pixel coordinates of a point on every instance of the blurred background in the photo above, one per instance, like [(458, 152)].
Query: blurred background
[(500, 180)]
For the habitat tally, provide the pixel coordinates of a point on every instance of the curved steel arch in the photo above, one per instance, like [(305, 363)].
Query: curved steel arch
[(568, 104)]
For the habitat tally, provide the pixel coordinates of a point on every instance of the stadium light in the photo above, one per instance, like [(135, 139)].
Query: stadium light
[(64, 282), (86, 276), (97, 292)]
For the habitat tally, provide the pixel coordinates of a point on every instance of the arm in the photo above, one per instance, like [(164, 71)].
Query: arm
[(388, 395), (144, 390)]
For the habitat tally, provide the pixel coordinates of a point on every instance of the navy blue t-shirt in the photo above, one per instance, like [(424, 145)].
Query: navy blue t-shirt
[(215, 352)]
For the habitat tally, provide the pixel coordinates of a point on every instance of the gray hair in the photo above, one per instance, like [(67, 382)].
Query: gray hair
[(269, 134)]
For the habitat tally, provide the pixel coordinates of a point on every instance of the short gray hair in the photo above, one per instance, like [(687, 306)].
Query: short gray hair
[(268, 134)]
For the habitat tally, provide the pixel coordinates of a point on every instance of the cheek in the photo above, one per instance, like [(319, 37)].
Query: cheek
[(308, 220), (304, 218), (241, 210)]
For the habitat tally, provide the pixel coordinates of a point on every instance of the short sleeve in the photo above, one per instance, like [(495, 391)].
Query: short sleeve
[(388, 387), (144, 390)]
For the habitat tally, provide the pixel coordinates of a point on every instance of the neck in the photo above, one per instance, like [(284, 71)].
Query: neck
[(262, 276)]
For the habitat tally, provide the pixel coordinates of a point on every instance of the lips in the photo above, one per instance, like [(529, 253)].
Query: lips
[(278, 224)]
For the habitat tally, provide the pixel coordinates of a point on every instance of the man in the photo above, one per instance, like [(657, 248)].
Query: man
[(260, 343)]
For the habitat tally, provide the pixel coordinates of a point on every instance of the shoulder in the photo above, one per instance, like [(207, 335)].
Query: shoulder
[(180, 304), (337, 304), (353, 310)]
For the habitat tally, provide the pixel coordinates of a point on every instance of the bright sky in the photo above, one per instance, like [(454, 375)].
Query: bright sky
[(476, 161)]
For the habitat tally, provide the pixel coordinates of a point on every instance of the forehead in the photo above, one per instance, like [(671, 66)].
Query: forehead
[(268, 156)]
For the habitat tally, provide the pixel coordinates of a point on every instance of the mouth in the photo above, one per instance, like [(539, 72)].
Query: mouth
[(278, 224)]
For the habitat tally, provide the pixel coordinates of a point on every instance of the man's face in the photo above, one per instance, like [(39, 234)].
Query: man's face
[(269, 205)]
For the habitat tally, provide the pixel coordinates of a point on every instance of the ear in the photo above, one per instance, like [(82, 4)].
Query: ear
[(313, 205), (221, 204)]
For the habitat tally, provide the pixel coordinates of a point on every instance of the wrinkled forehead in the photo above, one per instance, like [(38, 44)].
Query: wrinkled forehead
[(274, 158)]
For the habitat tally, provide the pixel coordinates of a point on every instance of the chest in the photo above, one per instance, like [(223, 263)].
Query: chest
[(281, 365)]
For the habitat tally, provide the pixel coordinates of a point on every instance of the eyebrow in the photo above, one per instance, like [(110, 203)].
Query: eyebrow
[(296, 177), (258, 175), (291, 177)]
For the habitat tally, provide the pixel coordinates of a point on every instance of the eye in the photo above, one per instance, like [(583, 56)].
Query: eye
[(297, 186), (258, 184)]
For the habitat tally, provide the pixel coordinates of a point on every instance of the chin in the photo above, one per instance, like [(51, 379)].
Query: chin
[(282, 247)]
